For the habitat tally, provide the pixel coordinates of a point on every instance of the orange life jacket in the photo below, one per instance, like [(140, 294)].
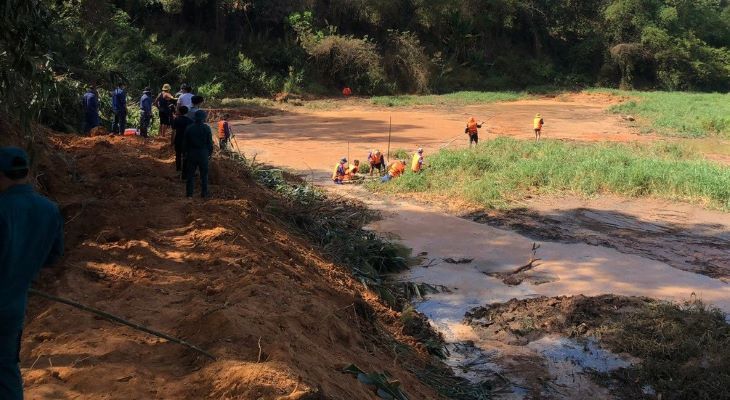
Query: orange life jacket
[(396, 168), (221, 129), (351, 171), (417, 163), (375, 158), (538, 122), (472, 126)]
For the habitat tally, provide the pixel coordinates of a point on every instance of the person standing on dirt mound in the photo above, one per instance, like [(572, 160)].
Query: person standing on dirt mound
[(31, 236), (376, 160), (162, 102), (145, 112), (340, 171), (472, 129), (90, 103), (198, 148), (537, 124), (119, 108), (179, 125), (224, 133)]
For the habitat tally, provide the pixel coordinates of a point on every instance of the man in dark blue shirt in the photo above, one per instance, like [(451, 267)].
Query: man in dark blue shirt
[(198, 147), (31, 236), (90, 102), (145, 112), (119, 107)]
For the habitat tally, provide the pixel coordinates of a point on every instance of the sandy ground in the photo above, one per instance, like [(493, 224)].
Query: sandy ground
[(315, 140), (224, 274)]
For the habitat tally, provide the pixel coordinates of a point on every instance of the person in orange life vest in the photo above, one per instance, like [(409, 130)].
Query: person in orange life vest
[(347, 92), (224, 133), (472, 129), (352, 170), (338, 175), (417, 162), (537, 124), (376, 160), (395, 169)]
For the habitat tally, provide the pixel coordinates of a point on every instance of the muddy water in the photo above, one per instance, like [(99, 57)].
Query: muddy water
[(561, 269)]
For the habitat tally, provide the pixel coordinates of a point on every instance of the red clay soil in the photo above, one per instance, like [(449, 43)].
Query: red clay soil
[(223, 274)]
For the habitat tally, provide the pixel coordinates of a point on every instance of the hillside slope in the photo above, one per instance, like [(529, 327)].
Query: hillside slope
[(223, 274)]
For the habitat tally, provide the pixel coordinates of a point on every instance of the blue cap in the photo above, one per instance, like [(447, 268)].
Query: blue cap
[(13, 159)]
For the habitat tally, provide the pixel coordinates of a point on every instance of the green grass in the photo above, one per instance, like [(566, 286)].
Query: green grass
[(681, 114), (503, 170), (457, 98)]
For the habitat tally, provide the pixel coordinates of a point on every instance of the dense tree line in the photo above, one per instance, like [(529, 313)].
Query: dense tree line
[(259, 47)]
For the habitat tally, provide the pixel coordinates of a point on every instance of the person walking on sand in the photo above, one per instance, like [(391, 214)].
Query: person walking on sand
[(537, 125), (145, 112), (198, 148), (119, 108), (162, 102), (417, 162), (472, 129), (31, 236)]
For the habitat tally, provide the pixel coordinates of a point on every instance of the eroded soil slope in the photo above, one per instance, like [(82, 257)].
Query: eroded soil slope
[(223, 274)]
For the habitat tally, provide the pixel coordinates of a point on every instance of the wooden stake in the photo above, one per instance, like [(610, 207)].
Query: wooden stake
[(390, 130)]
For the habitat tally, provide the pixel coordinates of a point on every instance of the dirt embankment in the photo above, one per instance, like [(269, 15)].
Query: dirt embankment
[(223, 274)]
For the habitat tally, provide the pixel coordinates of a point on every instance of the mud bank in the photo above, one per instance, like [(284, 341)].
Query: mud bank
[(467, 256)]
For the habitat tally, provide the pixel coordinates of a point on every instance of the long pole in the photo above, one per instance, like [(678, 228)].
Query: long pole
[(390, 131), (120, 320)]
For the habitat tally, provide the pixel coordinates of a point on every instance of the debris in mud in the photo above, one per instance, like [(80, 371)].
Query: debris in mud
[(458, 260), (519, 275), (385, 386), (677, 351)]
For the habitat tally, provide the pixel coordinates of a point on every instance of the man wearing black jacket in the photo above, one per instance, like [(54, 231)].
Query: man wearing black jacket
[(198, 148)]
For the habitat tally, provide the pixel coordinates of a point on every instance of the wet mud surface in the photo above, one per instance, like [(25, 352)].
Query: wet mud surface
[(668, 233)]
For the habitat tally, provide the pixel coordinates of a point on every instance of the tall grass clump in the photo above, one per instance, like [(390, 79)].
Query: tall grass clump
[(456, 98), (503, 170), (681, 114)]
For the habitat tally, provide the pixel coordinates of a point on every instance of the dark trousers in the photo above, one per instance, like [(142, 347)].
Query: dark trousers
[(196, 162), (473, 138), (223, 143), (11, 384), (91, 121), (145, 119), (120, 122)]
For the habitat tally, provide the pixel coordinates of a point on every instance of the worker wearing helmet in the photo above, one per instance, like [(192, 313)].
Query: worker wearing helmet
[(338, 175), (376, 160), (537, 124), (417, 161)]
